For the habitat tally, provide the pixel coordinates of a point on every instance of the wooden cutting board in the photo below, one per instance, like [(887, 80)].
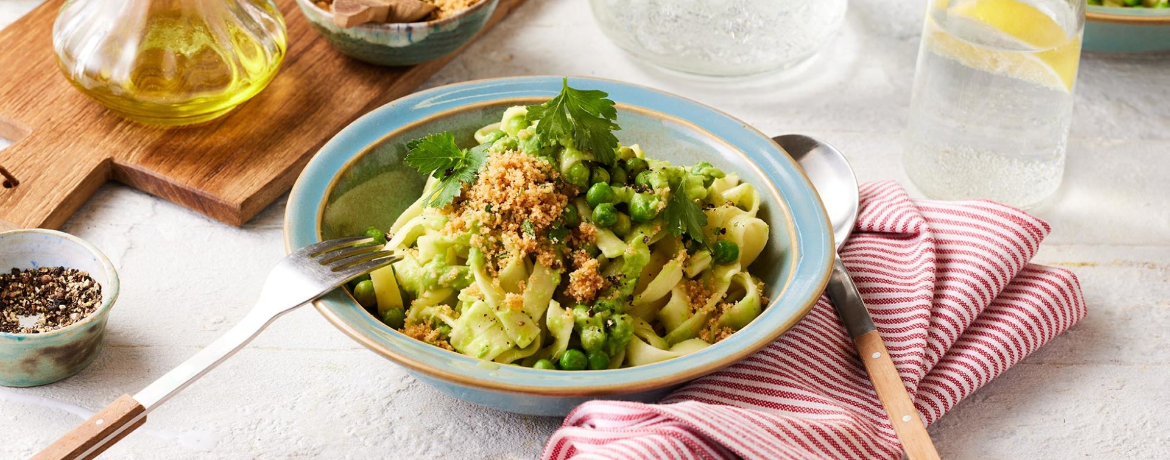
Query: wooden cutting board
[(66, 145)]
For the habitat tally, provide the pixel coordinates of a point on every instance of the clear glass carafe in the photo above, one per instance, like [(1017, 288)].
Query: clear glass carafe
[(170, 62)]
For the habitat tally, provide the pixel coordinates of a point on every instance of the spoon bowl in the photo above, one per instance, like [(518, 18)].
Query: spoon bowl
[(831, 176)]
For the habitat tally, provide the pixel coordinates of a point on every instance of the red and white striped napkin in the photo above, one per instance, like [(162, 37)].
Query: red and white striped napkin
[(950, 289)]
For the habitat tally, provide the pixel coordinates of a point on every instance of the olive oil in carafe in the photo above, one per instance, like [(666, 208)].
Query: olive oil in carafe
[(190, 61)]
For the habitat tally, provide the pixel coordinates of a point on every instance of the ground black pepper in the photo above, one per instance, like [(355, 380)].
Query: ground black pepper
[(53, 297)]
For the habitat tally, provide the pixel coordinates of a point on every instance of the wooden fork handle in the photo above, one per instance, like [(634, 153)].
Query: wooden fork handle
[(98, 433), (890, 390)]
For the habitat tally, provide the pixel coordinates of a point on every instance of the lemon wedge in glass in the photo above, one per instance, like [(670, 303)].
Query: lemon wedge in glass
[(1007, 37)]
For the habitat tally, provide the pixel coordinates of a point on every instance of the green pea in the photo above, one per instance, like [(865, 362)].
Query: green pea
[(617, 176), (607, 305), (581, 313), (600, 176), (600, 193), (377, 235), (354, 282), (578, 174), (573, 360), (364, 294), (642, 179), (725, 252), (636, 165), (591, 249), (514, 124), (605, 215), (621, 228), (544, 364), (652, 179), (569, 215), (592, 338), (394, 317), (644, 207), (598, 360)]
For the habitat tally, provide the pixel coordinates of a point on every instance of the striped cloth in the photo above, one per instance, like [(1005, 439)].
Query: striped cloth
[(951, 291)]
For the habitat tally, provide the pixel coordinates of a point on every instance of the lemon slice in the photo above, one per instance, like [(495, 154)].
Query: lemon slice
[(1019, 26)]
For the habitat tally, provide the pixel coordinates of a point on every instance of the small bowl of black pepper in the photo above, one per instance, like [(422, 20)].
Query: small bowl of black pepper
[(56, 291)]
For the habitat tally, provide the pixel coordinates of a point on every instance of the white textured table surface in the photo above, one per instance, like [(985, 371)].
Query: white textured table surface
[(303, 390)]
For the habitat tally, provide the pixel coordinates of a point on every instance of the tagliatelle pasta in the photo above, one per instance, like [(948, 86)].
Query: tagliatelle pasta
[(528, 251)]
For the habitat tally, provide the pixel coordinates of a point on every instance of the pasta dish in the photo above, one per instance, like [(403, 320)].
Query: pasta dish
[(548, 244)]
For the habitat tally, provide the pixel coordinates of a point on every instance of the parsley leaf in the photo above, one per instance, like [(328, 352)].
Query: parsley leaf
[(434, 154), (437, 155), (586, 116), (683, 215)]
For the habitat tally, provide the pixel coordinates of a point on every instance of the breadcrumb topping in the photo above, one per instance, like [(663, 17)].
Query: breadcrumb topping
[(713, 333), (586, 280), (514, 302), (698, 294), (426, 333), (516, 201)]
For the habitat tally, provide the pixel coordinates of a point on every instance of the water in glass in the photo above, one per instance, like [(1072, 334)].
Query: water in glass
[(992, 99)]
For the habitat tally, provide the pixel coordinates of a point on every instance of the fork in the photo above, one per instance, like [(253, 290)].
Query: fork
[(302, 276)]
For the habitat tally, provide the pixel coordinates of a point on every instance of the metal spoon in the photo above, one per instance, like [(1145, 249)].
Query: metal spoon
[(834, 181)]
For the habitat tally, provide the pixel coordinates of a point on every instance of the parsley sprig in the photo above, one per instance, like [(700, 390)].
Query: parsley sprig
[(682, 215), (587, 117), (437, 155)]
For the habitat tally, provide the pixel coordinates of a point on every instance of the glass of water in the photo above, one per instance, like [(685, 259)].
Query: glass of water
[(992, 99), (720, 37)]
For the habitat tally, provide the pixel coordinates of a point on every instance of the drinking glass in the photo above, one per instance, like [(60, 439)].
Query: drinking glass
[(720, 37), (992, 99)]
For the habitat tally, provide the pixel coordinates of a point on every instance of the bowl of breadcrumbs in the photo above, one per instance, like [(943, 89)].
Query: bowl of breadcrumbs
[(56, 291), (397, 32)]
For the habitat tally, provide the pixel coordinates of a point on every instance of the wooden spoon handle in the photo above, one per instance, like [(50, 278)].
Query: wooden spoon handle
[(98, 433), (890, 390)]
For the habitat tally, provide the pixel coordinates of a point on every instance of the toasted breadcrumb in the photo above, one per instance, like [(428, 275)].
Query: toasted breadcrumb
[(516, 200), (698, 295), (713, 334), (586, 281), (514, 302), (426, 333)]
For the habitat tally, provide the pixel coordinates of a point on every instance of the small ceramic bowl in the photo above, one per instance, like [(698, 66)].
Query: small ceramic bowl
[(400, 44), (359, 179), (1127, 30), (37, 359)]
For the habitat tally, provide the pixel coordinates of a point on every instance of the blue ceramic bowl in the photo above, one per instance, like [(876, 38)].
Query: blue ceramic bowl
[(358, 179), (400, 44), (1127, 30), (36, 359)]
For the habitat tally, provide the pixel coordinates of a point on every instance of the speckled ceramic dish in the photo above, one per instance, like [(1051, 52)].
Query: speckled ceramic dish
[(400, 44), (36, 359), (1127, 30), (359, 179)]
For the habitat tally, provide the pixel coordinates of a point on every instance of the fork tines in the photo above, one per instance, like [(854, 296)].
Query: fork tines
[(351, 256)]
